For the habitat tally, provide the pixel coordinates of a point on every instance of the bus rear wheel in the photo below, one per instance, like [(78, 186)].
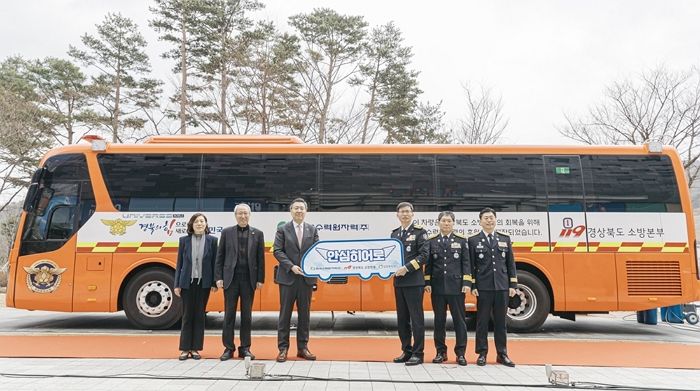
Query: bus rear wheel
[(534, 304), (149, 301)]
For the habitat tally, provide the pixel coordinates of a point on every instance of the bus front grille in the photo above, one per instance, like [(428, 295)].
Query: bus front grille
[(654, 278)]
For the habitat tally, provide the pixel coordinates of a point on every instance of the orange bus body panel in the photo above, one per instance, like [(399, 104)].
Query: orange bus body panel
[(579, 282)]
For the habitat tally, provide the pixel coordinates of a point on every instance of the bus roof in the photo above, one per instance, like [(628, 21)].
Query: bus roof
[(287, 144)]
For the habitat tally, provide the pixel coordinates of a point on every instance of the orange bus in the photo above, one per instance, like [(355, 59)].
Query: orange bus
[(594, 229)]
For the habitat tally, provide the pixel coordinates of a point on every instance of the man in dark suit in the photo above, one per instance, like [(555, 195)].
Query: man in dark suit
[(495, 278), (447, 279), (239, 270), (408, 286), (291, 242)]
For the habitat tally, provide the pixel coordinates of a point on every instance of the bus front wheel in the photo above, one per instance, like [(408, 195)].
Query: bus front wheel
[(149, 301), (534, 304)]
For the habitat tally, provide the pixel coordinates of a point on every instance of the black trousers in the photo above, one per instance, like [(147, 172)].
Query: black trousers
[(410, 319), (240, 288), (299, 293), (491, 304), (194, 305), (456, 304)]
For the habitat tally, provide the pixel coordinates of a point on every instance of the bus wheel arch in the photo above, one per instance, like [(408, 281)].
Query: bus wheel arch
[(147, 297), (537, 300)]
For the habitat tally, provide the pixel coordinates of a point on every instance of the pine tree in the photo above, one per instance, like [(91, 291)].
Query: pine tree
[(332, 43), (224, 34), (382, 53), (266, 92), (177, 22), (120, 87)]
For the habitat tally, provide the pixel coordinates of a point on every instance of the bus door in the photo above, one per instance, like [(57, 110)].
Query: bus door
[(59, 201), (589, 281)]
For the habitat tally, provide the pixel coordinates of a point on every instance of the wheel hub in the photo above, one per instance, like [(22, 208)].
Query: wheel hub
[(154, 298), (528, 304)]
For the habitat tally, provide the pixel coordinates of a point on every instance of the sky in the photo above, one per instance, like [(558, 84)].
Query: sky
[(545, 58)]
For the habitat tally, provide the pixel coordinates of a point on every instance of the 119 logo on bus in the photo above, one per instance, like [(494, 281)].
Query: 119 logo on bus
[(569, 229)]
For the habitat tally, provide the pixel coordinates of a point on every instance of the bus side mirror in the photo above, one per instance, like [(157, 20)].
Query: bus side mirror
[(30, 202)]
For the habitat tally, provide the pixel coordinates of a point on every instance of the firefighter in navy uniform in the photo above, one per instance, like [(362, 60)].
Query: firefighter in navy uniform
[(408, 286), (447, 279), (494, 281)]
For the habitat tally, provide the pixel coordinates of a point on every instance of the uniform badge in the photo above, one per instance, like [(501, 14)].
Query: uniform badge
[(503, 254), (408, 248), (456, 255), (44, 276), (455, 245), (411, 238), (481, 256), (502, 244), (435, 256)]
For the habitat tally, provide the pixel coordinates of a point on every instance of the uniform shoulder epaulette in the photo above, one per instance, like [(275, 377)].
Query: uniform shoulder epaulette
[(476, 234), (459, 235), (417, 226), (433, 236), (502, 234), (396, 229)]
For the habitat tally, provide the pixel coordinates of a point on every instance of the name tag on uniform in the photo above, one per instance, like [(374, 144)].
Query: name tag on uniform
[(411, 238), (456, 245), (502, 244)]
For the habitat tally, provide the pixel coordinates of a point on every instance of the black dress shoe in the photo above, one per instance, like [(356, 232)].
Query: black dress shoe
[(402, 358), (243, 353), (481, 361), (282, 356), (503, 359), (461, 361), (306, 354), (440, 357), (226, 355), (414, 360)]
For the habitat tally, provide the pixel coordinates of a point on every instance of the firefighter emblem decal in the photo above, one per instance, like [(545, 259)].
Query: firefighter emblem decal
[(118, 227), (44, 276)]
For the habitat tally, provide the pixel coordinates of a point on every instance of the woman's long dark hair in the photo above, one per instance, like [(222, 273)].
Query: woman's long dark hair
[(190, 229)]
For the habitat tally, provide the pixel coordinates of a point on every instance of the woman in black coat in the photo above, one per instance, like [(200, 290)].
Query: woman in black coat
[(194, 280)]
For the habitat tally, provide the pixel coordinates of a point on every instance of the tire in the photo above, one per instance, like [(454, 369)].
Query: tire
[(534, 307), (691, 318), (149, 301)]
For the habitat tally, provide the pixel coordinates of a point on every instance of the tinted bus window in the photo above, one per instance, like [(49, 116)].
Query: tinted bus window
[(64, 202), (265, 182), (377, 182), (630, 184), (502, 182), (152, 183)]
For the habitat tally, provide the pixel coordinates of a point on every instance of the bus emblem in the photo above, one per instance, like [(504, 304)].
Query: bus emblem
[(118, 227), (44, 276)]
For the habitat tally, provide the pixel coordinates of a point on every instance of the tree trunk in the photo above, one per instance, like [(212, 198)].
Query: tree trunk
[(326, 105), (115, 115), (370, 105), (222, 111), (183, 71), (263, 105)]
